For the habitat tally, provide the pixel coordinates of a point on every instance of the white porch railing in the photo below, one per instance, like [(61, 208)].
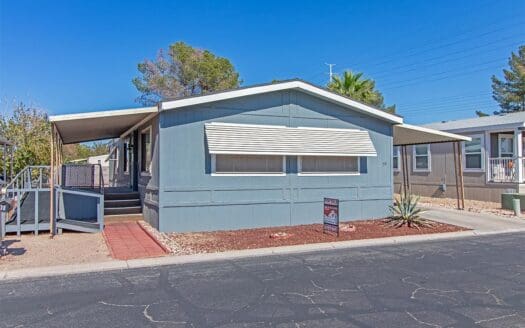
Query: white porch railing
[(505, 169)]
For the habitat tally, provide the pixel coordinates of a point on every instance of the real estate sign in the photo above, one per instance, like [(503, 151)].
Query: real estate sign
[(331, 215)]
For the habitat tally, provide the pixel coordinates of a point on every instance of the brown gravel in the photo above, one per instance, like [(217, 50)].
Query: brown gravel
[(69, 248), (475, 206), (219, 241)]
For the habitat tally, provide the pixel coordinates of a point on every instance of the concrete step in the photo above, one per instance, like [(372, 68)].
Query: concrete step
[(113, 203), (122, 195), (122, 210)]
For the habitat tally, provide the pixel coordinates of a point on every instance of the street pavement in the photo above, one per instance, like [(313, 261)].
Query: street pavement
[(468, 282)]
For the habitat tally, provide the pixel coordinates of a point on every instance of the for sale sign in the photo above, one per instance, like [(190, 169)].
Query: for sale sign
[(331, 215)]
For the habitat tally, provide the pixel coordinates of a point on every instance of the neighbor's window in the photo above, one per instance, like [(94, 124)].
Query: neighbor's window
[(145, 150), (474, 153), (329, 165), (395, 158), (422, 158), (248, 164)]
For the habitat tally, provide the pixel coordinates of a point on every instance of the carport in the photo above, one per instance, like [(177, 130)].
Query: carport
[(409, 135)]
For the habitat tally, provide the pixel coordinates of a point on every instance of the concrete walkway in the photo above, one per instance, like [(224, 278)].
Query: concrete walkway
[(479, 222)]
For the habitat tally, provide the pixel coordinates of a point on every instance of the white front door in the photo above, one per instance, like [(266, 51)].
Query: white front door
[(506, 145)]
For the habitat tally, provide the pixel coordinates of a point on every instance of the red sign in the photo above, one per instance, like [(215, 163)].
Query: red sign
[(331, 215)]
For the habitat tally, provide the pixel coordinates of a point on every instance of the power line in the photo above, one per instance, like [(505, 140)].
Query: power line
[(429, 62), (444, 45), (419, 79)]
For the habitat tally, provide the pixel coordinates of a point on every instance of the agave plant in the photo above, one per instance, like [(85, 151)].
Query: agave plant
[(405, 211)]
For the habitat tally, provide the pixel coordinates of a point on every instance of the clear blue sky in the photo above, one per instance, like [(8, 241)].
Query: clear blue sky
[(432, 59)]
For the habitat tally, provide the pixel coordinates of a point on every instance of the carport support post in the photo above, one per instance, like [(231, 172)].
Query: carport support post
[(52, 184), (456, 171), (460, 168)]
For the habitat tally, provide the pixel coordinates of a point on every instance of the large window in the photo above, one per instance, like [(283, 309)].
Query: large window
[(421, 157), (395, 158), (329, 165), (248, 165), (145, 150), (473, 153)]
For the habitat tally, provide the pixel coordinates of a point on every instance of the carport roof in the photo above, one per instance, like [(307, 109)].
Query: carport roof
[(82, 127), (406, 134)]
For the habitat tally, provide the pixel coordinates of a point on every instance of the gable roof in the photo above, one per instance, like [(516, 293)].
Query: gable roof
[(280, 86), (480, 123)]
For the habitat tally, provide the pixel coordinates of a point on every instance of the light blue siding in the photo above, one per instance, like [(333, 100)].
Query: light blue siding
[(191, 199)]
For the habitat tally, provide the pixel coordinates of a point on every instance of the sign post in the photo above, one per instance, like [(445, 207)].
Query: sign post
[(331, 216)]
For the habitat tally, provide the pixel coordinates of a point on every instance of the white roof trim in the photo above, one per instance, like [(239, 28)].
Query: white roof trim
[(308, 88), (249, 139), (99, 114)]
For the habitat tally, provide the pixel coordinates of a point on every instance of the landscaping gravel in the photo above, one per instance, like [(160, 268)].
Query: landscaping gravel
[(220, 241)]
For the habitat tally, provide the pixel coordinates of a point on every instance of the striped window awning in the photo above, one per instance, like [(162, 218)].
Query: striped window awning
[(225, 138)]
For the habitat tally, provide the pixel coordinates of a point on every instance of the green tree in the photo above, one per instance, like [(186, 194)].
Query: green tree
[(83, 151), (354, 86), (30, 131), (185, 71), (510, 92)]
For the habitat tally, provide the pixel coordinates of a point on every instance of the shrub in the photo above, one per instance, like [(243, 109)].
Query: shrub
[(405, 211)]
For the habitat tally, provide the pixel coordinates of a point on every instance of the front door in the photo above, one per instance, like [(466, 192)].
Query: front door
[(506, 145), (133, 163)]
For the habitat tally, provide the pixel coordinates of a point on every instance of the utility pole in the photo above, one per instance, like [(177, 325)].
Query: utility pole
[(331, 72)]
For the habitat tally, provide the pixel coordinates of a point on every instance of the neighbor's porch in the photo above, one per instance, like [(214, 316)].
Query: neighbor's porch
[(504, 156)]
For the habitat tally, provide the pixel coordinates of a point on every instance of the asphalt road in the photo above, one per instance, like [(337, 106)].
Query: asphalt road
[(473, 282)]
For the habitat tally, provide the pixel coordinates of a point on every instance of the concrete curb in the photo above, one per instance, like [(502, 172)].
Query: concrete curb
[(230, 255)]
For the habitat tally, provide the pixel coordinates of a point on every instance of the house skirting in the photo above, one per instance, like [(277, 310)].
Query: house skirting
[(490, 192)]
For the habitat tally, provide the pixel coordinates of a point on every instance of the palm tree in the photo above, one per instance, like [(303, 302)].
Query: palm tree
[(354, 86)]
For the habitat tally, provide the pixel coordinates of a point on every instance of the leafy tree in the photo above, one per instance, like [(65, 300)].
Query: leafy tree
[(29, 129), (83, 151), (510, 93), (184, 71), (354, 86)]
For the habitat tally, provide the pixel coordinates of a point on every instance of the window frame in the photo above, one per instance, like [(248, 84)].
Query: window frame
[(482, 153), (322, 174), (398, 155), (414, 157), (245, 174), (148, 171)]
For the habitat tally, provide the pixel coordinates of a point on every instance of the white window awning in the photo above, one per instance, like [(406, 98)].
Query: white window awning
[(225, 138)]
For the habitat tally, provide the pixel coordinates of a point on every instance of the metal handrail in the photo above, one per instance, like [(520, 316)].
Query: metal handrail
[(24, 176)]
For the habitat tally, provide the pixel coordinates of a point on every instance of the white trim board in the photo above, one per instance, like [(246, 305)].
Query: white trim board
[(99, 114)]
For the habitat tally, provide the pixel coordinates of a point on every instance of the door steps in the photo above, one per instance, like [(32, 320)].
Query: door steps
[(122, 203)]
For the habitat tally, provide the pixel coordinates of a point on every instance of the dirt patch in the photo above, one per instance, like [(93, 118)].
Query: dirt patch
[(220, 241), (69, 248), (475, 206)]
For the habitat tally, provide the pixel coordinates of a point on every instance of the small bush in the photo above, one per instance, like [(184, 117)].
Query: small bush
[(405, 212)]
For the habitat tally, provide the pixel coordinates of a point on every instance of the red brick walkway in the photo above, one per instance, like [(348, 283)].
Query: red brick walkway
[(128, 240)]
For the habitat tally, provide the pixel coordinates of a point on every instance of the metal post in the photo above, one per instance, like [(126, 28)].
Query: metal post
[(52, 184), (456, 172), (460, 160), (4, 157)]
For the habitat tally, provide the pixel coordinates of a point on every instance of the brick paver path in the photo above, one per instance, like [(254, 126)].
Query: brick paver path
[(128, 240)]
